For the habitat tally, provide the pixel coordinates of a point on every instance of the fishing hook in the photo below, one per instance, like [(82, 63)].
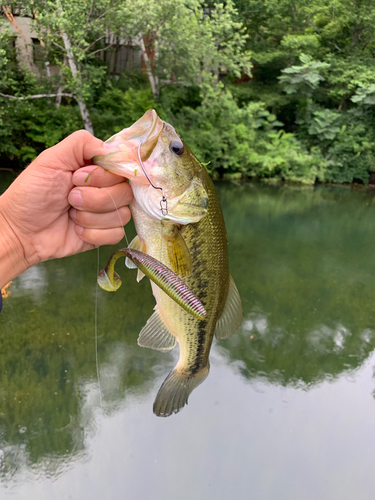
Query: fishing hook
[(163, 201)]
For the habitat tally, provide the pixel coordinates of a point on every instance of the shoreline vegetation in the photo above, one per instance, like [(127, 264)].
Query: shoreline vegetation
[(273, 91)]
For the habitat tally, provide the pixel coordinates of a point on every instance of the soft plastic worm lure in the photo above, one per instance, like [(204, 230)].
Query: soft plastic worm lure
[(157, 272)]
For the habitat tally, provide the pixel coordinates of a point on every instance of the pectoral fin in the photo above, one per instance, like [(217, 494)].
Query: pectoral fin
[(231, 317), (178, 253), (155, 335), (136, 244)]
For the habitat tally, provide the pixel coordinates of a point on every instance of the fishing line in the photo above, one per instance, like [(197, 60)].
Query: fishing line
[(119, 216), (96, 306), (96, 337), (163, 201)]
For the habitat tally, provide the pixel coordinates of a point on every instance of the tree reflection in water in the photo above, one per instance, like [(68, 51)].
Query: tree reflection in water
[(302, 260)]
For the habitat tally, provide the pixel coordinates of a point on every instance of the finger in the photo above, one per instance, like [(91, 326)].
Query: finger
[(95, 176), (73, 151), (100, 237), (107, 220), (95, 200)]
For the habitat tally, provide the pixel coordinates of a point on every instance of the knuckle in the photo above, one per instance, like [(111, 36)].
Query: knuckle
[(100, 237), (93, 200), (81, 217), (125, 215), (81, 135), (101, 201), (127, 191), (117, 236)]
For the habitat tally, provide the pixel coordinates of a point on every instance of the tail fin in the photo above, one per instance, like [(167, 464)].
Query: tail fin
[(173, 395)]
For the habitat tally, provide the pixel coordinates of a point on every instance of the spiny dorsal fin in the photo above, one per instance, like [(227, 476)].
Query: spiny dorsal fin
[(231, 317), (136, 244), (155, 335), (178, 253)]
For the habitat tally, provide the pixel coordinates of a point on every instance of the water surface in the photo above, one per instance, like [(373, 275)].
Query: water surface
[(288, 411)]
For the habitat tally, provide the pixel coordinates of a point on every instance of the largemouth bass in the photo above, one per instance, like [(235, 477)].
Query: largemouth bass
[(179, 222)]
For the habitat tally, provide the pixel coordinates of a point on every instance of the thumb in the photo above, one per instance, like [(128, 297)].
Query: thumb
[(73, 152)]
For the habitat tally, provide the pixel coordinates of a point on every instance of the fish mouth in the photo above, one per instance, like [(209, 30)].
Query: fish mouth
[(123, 146)]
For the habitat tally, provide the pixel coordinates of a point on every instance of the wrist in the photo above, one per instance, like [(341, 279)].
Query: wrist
[(12, 257)]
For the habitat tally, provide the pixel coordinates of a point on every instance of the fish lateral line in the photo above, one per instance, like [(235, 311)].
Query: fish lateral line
[(157, 272)]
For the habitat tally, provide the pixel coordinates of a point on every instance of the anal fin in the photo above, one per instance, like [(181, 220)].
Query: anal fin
[(155, 335), (231, 317)]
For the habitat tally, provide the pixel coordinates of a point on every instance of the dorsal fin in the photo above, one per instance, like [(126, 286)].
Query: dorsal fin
[(155, 335), (231, 317)]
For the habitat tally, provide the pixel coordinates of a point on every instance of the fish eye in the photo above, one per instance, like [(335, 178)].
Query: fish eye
[(177, 147)]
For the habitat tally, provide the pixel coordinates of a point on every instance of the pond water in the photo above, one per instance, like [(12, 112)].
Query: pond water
[(288, 410)]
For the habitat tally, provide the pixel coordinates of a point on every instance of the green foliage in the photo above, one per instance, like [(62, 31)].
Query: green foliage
[(365, 95), (305, 112), (188, 42), (117, 109), (31, 126), (304, 79), (244, 140), (323, 124)]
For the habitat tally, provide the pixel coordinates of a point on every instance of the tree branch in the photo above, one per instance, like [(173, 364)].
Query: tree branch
[(94, 42), (10, 17), (100, 50), (37, 96), (58, 45), (90, 23)]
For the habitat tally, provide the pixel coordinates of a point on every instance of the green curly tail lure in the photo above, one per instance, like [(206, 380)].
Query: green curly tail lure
[(157, 272)]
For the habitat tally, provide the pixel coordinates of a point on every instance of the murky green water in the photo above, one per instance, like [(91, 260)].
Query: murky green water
[(288, 411)]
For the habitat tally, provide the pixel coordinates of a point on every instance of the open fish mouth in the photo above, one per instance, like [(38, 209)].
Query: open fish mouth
[(123, 146)]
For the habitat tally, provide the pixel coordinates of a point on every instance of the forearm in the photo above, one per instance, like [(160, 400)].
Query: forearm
[(12, 259)]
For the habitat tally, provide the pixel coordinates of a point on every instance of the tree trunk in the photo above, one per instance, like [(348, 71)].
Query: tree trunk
[(151, 77), (73, 68)]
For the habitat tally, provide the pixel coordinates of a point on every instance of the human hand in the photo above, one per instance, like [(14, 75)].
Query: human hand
[(44, 216)]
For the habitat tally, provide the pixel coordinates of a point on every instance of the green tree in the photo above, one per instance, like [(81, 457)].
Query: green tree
[(185, 43)]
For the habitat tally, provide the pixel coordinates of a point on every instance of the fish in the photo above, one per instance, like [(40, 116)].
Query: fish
[(179, 222)]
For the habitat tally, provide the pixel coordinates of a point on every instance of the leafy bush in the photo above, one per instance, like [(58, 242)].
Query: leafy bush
[(117, 109), (244, 140)]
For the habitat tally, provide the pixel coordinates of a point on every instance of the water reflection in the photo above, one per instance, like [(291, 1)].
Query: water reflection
[(302, 260), (297, 358)]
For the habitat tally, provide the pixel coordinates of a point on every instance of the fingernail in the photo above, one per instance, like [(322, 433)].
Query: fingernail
[(73, 213), (82, 178), (79, 229), (75, 198)]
